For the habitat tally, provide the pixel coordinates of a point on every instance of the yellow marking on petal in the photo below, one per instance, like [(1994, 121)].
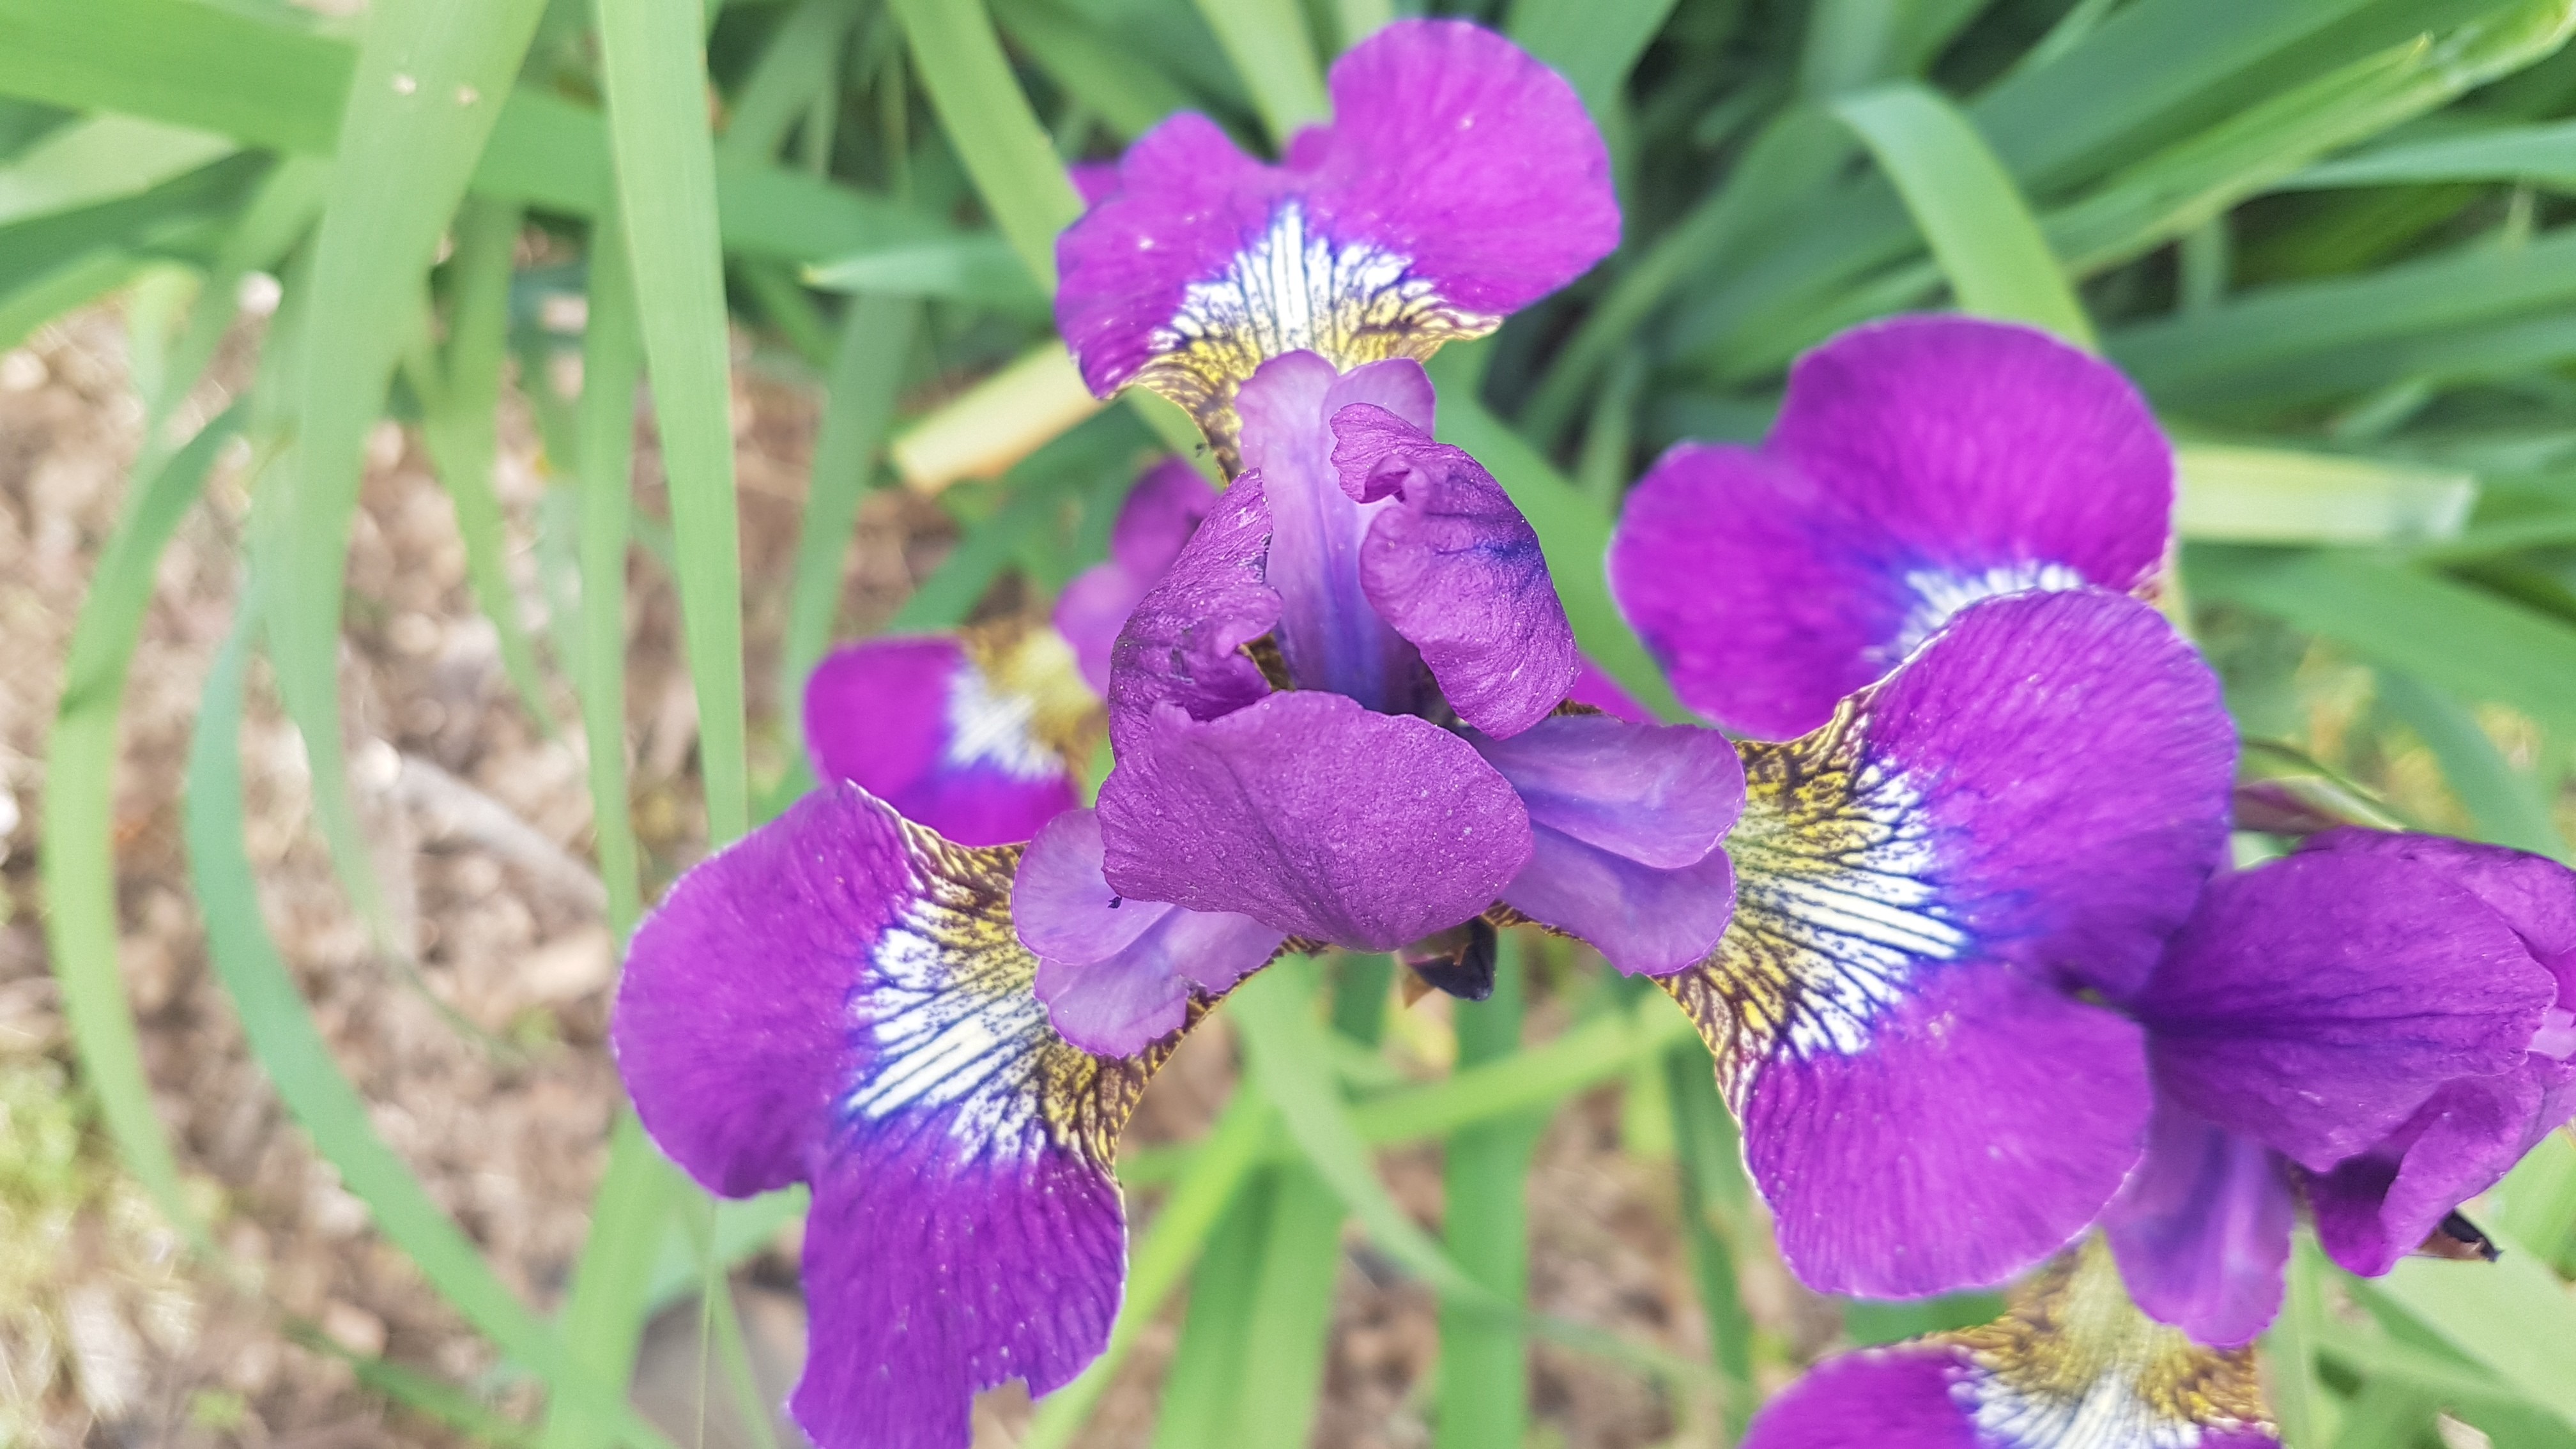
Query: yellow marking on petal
[(1294, 289), (1034, 697), (2074, 1365), (952, 1008), (1835, 905)]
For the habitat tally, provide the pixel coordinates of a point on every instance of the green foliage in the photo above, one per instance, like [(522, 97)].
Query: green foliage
[(2332, 240)]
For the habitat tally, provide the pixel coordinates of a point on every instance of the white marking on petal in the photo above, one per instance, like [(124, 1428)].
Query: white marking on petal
[(988, 726), (1941, 593)]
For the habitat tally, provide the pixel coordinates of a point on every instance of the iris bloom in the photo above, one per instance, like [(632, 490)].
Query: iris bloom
[(2381, 1018), (2377, 1023), (851, 1000), (2072, 1362), (980, 734)]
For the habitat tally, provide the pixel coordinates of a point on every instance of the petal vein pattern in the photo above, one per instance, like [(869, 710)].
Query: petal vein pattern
[(1835, 909)]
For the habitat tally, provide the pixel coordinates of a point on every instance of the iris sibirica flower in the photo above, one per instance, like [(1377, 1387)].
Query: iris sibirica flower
[(2071, 1363), (944, 1039), (979, 734), (2378, 1024)]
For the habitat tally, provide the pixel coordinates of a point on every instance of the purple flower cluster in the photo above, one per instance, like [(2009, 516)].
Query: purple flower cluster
[(1955, 917)]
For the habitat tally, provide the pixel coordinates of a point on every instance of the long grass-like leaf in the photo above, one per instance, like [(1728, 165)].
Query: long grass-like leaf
[(654, 66), (1483, 1390), (1971, 213), (989, 122), (638, 1192), (1202, 1390), (426, 93), (867, 368), (1275, 54), (2507, 807), (461, 425), (79, 859), (1716, 1202), (2456, 638)]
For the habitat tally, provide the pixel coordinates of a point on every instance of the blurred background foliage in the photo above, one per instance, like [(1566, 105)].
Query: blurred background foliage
[(2331, 239)]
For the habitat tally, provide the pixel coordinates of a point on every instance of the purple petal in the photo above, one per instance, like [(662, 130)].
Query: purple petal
[(1329, 633), (2202, 1229), (2535, 895), (2073, 757), (1457, 571), (1314, 816), (1890, 1398), (2375, 1208), (2315, 1002), (1918, 465), (1459, 180), (1183, 643), (966, 737), (1161, 512), (839, 999), (1626, 820), (1980, 1127), (1093, 181), (2029, 806), (1115, 973)]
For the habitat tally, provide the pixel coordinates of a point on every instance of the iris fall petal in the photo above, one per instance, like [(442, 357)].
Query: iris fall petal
[(839, 999)]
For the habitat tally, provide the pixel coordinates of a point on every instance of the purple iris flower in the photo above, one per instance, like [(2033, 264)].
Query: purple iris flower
[(980, 734), (1918, 465), (2378, 1022), (1408, 766), (2071, 1362), (1937, 892), (1458, 181), (944, 1040)]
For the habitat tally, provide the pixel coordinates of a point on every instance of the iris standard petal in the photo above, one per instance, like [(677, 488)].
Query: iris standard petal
[(2071, 1364), (970, 735), (1459, 180), (1329, 634), (2316, 1001), (1116, 974), (839, 999), (2202, 1230), (1161, 512), (2027, 808), (1314, 816), (1918, 465), (1183, 642), (1456, 570), (1626, 820)]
